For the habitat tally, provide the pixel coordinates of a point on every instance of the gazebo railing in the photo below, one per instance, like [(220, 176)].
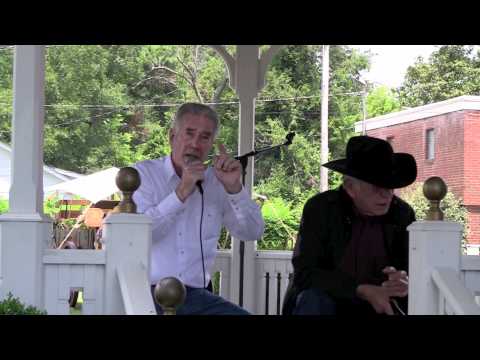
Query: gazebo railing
[(453, 297)]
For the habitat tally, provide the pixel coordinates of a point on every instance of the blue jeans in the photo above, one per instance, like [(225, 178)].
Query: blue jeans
[(316, 302), (199, 301)]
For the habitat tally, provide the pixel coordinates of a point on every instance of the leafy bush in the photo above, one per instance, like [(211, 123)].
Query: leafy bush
[(452, 207), (3, 206), (281, 225), (282, 220), (50, 206), (13, 306)]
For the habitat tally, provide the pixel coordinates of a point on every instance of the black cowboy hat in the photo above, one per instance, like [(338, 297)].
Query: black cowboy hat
[(373, 160)]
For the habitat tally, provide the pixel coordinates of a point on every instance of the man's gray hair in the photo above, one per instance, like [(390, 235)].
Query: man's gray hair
[(195, 109)]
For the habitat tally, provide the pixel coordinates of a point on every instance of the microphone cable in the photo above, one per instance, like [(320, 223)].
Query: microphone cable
[(200, 189)]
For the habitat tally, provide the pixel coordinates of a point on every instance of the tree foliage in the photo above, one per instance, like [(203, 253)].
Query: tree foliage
[(111, 105), (452, 207), (450, 71)]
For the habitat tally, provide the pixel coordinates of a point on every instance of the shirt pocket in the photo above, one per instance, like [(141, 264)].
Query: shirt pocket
[(212, 223)]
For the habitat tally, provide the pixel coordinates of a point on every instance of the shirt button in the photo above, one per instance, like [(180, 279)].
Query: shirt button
[(180, 234)]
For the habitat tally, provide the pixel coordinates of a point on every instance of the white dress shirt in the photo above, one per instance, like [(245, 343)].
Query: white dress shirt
[(176, 225)]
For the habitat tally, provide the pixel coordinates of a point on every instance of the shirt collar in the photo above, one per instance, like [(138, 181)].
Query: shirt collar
[(170, 170)]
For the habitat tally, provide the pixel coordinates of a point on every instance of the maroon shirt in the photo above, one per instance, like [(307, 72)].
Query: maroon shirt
[(365, 256)]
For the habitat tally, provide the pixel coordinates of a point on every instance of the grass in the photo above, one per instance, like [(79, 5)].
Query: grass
[(77, 310)]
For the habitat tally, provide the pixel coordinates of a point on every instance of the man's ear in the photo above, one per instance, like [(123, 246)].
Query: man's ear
[(171, 134), (348, 187)]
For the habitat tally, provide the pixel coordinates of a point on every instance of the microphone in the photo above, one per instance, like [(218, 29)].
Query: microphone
[(190, 159)]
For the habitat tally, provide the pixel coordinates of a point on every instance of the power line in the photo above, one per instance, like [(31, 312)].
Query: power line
[(179, 104)]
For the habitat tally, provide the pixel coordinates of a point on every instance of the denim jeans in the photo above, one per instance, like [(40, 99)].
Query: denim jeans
[(199, 301), (316, 302)]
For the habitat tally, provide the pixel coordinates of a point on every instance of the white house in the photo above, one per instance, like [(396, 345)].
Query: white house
[(51, 175)]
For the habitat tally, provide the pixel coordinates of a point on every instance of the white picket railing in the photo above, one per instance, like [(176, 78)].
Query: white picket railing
[(454, 297), (84, 270), (441, 285), (272, 272), (223, 266), (470, 274), (68, 270)]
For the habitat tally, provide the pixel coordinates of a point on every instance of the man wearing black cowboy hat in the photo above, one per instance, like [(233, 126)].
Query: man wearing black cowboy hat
[(351, 253)]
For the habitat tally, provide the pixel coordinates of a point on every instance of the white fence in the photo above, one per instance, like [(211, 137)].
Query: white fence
[(84, 270), (114, 280), (459, 294), (453, 297), (470, 274), (273, 269), (68, 270), (442, 281)]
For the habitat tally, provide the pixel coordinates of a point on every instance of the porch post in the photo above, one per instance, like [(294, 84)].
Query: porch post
[(432, 244), (246, 79), (24, 230), (128, 241)]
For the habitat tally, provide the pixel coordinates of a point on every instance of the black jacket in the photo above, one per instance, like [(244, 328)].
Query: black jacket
[(325, 231)]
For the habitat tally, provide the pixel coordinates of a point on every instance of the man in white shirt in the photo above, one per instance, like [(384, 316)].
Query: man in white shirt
[(189, 202)]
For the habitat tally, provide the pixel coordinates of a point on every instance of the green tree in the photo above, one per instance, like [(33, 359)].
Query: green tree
[(112, 105), (293, 173), (450, 71), (382, 100), (6, 93), (452, 207)]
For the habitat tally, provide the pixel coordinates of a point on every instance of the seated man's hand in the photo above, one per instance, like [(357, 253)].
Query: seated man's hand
[(397, 281), (378, 297)]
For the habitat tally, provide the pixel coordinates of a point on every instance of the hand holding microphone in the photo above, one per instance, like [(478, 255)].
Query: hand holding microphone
[(193, 174)]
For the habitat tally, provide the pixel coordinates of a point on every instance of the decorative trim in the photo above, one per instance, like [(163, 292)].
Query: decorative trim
[(16, 217), (124, 218), (421, 112), (265, 60), (229, 60)]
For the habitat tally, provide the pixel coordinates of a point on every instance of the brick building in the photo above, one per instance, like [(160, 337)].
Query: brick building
[(444, 138)]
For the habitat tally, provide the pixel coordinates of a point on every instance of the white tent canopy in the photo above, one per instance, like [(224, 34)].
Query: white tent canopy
[(93, 187)]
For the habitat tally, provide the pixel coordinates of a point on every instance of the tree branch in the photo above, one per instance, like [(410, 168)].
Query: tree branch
[(193, 81), (219, 90)]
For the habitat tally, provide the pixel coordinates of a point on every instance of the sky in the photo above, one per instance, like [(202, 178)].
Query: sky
[(390, 63)]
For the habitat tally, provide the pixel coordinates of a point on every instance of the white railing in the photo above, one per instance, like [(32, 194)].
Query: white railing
[(84, 270), (74, 270), (442, 281), (454, 297), (273, 270), (272, 273), (470, 274), (223, 266), (135, 289)]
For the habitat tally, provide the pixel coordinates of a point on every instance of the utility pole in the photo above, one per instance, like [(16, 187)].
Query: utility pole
[(324, 118), (364, 106)]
